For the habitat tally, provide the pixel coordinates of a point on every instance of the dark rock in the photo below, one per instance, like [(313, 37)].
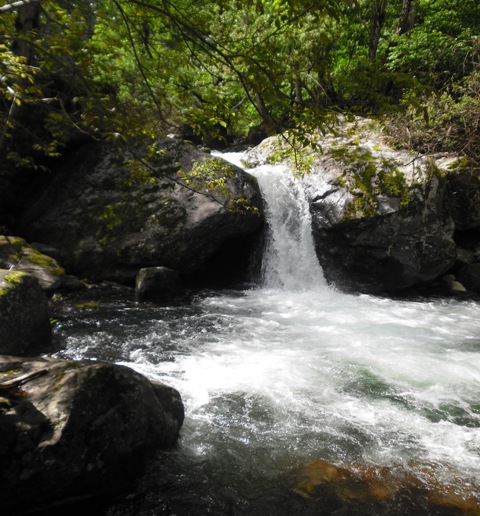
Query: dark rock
[(464, 198), (256, 135), (386, 252), (48, 250), (464, 256), (157, 283), (25, 327), (72, 431), (469, 276), (109, 217), (7, 199)]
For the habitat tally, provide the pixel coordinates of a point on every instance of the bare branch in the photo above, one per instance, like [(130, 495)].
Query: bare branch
[(16, 5)]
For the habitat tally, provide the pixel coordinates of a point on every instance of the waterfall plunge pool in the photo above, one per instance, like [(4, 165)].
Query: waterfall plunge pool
[(300, 399)]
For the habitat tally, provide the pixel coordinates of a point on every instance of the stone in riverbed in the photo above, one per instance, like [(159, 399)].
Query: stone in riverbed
[(157, 283), (371, 489), (77, 430)]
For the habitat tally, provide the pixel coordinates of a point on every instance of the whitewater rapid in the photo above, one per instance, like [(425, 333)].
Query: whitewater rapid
[(276, 377)]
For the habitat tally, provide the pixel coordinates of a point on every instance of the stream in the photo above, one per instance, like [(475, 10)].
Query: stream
[(300, 399)]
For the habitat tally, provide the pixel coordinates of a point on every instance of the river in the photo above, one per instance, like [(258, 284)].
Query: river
[(301, 399)]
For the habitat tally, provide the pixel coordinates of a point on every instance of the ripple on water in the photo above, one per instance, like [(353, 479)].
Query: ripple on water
[(274, 381)]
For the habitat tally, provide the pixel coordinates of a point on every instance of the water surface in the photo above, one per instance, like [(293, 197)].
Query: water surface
[(290, 373)]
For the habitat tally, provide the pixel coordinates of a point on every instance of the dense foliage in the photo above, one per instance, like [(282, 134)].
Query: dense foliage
[(117, 69)]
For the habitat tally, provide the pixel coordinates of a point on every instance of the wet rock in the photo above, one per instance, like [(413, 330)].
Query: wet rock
[(25, 327), (380, 218), (76, 430), (157, 283), (110, 216), (452, 284), (384, 490), (17, 255)]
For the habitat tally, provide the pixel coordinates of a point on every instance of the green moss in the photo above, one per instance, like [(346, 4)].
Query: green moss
[(14, 241), (210, 176), (89, 305), (214, 177), (37, 258), (298, 151), (432, 170), (465, 166), (15, 277), (367, 177), (5, 404), (10, 372), (16, 249)]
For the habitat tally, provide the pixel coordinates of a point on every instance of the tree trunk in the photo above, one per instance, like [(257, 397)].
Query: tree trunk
[(407, 16), (264, 113), (28, 20), (377, 20)]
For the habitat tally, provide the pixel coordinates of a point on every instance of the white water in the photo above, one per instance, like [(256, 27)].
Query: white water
[(292, 372)]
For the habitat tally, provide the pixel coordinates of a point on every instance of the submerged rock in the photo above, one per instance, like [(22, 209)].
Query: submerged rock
[(25, 327), (111, 214), (76, 430), (382, 490)]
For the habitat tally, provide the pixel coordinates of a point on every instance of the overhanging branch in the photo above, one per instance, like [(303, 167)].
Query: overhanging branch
[(16, 5)]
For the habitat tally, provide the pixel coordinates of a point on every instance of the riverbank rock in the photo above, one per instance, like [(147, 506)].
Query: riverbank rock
[(111, 211), (25, 327), (76, 430), (16, 254), (381, 218)]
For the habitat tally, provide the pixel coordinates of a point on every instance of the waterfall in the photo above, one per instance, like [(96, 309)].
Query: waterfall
[(278, 378), (289, 260)]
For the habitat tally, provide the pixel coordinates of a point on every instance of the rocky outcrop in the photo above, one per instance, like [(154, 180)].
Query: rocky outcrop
[(25, 327), (111, 212), (381, 219), (70, 431)]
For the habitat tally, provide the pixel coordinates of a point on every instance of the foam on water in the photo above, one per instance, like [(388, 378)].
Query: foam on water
[(294, 372)]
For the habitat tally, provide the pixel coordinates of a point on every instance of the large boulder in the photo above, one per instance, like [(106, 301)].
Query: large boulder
[(380, 217), (111, 213), (25, 327), (76, 430)]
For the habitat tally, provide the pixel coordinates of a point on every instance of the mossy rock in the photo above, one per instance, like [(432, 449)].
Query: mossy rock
[(16, 254)]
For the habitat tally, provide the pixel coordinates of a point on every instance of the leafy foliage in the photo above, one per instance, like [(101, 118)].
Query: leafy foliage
[(123, 69)]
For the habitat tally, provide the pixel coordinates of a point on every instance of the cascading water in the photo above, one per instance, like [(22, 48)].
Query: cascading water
[(290, 261), (293, 373)]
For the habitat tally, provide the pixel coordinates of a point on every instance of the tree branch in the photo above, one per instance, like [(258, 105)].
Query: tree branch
[(16, 5)]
